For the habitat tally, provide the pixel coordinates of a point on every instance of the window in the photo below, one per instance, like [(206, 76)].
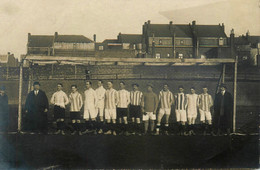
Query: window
[(101, 48), (180, 56), (221, 41), (245, 57), (126, 46), (182, 42), (160, 42), (157, 55), (134, 46)]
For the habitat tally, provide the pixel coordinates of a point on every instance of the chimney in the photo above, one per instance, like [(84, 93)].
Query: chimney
[(94, 37), (171, 27), (232, 43), (193, 23), (247, 33), (55, 35), (195, 44), (29, 35), (223, 27), (119, 37)]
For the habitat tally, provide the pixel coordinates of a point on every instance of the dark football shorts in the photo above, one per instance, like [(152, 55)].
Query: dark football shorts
[(121, 112), (135, 111), (75, 115), (59, 112)]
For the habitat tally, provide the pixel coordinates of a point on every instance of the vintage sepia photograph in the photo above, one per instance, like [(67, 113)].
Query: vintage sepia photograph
[(129, 84)]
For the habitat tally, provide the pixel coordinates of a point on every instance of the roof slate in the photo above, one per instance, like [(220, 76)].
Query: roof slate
[(72, 39), (40, 41), (130, 38), (163, 30)]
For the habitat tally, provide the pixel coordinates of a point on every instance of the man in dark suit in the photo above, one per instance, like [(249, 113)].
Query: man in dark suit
[(223, 110), (36, 108), (4, 110)]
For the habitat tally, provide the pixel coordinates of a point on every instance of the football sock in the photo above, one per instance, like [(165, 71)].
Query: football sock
[(152, 125), (146, 124)]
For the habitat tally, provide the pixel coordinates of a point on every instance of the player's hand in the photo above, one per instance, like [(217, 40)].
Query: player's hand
[(45, 110)]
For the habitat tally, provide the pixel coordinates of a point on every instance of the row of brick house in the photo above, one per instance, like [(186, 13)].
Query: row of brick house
[(157, 41)]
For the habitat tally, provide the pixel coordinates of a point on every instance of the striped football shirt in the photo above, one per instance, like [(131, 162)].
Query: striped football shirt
[(166, 99), (123, 98), (135, 98), (205, 102), (76, 102), (110, 99), (180, 101)]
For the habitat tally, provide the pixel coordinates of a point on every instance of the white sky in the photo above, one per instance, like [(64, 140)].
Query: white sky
[(107, 18)]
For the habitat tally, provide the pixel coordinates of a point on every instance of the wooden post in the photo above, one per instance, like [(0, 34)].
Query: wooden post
[(7, 72), (75, 71), (20, 98), (223, 73), (235, 95), (30, 79)]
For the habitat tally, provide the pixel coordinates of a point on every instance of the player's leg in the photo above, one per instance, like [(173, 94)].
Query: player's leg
[(193, 125), (159, 118), (120, 127), (132, 126), (138, 123), (138, 127), (146, 122), (178, 120), (183, 122), (107, 130), (113, 125), (202, 121), (126, 122), (188, 132), (73, 123), (93, 123), (57, 119), (132, 123), (101, 119), (167, 116), (62, 121), (152, 118), (86, 125), (209, 122)]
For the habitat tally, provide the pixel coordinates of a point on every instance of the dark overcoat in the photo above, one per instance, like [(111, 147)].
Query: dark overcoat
[(223, 110), (35, 105)]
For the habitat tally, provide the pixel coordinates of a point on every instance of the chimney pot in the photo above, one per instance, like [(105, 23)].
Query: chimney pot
[(149, 21), (247, 33), (232, 31), (170, 22), (94, 37)]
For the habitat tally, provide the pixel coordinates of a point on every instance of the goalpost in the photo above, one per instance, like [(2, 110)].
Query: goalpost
[(126, 61)]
